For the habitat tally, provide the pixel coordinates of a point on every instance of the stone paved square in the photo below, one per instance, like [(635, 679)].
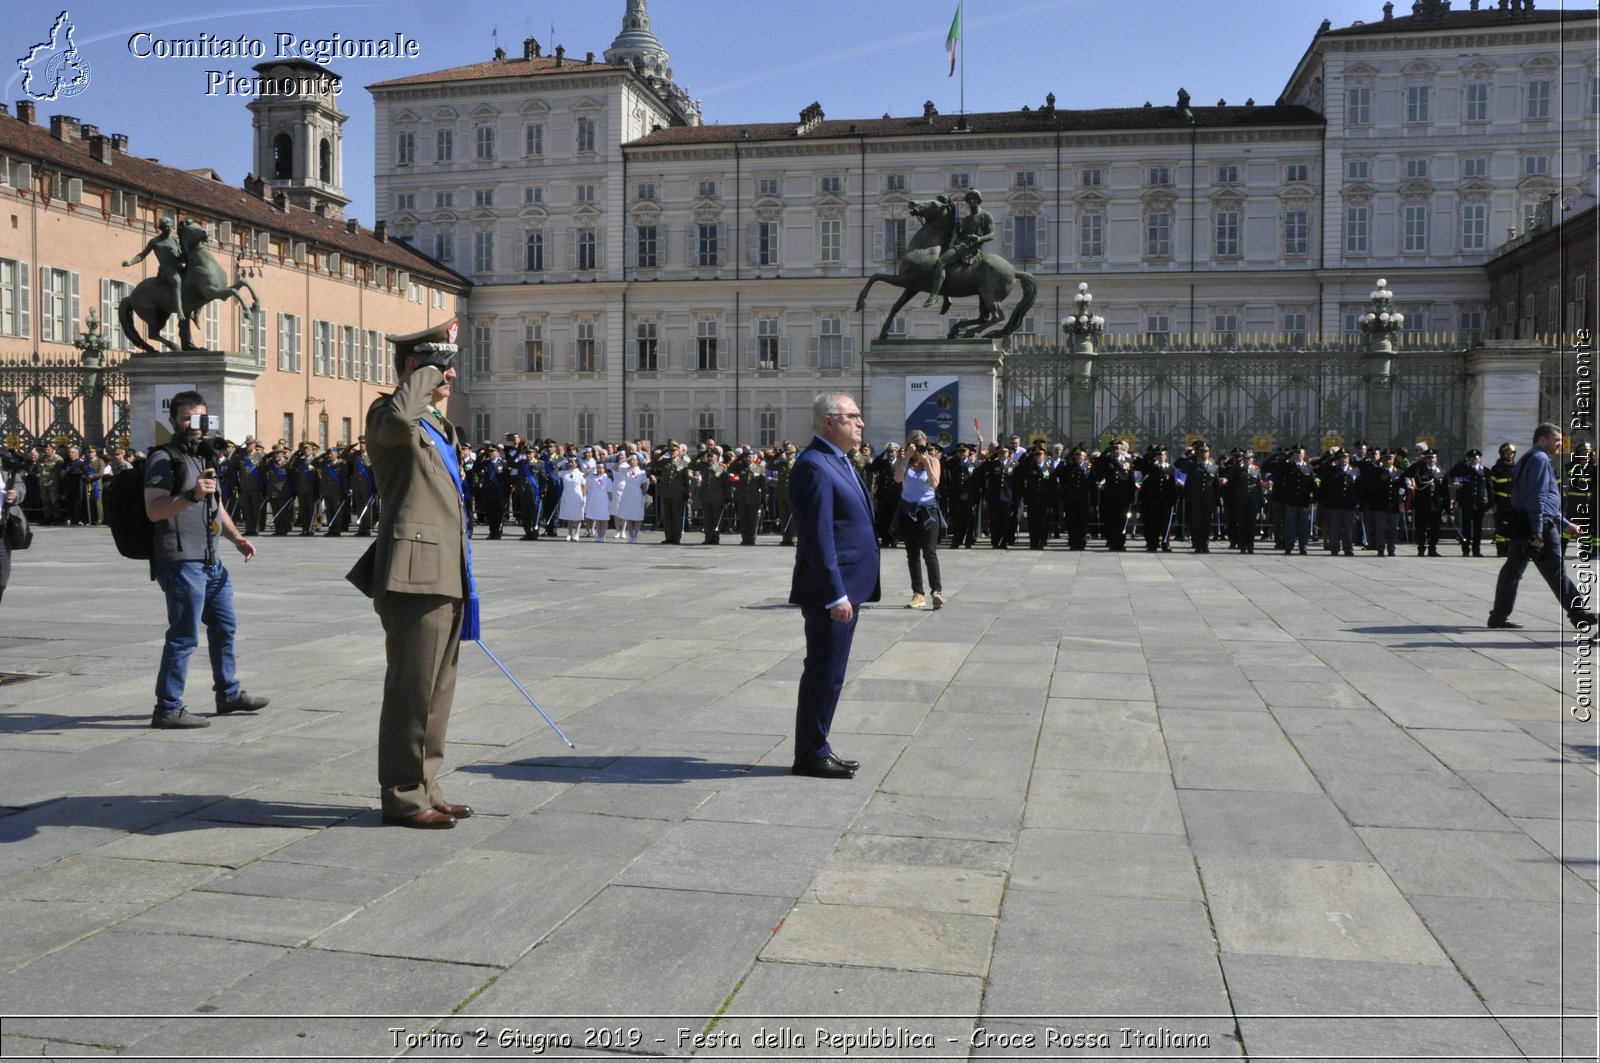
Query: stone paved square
[(1230, 790)]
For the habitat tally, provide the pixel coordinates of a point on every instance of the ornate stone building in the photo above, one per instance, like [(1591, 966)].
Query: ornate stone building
[(80, 203), (639, 273)]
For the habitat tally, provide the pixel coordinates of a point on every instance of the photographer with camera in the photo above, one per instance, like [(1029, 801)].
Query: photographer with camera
[(917, 520), (181, 500)]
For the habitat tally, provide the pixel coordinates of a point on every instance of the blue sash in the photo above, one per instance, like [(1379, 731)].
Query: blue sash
[(452, 464)]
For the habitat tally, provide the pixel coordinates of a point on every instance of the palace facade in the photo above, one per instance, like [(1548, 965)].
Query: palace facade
[(639, 273)]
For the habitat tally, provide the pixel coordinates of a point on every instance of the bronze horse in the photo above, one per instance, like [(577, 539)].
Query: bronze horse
[(987, 276), (203, 282)]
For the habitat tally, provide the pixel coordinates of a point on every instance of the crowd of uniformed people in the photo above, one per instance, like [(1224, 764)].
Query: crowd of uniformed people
[(1343, 499)]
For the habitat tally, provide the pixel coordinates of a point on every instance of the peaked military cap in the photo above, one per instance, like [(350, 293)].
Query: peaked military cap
[(435, 344)]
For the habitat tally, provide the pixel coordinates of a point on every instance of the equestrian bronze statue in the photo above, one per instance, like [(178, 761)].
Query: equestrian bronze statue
[(946, 259), (188, 278)]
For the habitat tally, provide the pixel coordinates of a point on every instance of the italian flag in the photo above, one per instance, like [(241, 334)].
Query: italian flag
[(953, 39)]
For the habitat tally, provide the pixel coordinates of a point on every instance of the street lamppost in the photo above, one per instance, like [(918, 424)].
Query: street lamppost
[(1082, 326), (92, 346), (1380, 325)]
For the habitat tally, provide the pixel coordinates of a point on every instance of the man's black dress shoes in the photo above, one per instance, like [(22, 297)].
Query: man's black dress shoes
[(849, 765), (823, 768), (1503, 623)]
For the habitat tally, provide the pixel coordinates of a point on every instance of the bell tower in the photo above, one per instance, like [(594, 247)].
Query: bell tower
[(299, 135)]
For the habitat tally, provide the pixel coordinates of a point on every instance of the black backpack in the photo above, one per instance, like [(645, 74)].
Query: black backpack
[(132, 530)]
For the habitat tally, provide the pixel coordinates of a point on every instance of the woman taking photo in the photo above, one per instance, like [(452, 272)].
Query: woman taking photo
[(917, 521)]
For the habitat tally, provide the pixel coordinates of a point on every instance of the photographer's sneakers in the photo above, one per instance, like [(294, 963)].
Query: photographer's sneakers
[(242, 702), (182, 720)]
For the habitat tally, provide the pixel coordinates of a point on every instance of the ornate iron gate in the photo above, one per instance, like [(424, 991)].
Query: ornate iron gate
[(62, 402), (1263, 398)]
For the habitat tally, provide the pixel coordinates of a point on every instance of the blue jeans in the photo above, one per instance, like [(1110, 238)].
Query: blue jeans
[(196, 595), (1551, 563)]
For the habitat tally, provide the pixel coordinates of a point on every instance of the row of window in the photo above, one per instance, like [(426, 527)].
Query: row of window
[(1472, 167), (1475, 102), (1356, 169), (341, 351), (487, 424), (767, 349), (485, 142)]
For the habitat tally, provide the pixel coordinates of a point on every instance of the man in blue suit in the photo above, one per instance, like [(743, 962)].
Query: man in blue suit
[(835, 572)]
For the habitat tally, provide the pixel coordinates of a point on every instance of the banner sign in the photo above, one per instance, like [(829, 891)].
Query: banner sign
[(933, 405)]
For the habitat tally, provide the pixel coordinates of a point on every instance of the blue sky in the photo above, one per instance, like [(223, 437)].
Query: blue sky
[(747, 61)]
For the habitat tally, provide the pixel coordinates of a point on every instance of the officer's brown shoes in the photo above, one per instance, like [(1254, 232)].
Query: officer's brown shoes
[(427, 819)]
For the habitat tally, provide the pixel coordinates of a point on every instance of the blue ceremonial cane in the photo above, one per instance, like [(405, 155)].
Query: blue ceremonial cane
[(524, 692), (470, 616)]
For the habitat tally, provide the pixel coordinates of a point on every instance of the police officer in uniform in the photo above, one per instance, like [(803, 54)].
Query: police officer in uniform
[(1115, 480), (1295, 487), (1074, 482), (489, 483), (1430, 500), (1200, 498), (1470, 478), (1035, 481), (1338, 495), (1158, 497), (955, 487)]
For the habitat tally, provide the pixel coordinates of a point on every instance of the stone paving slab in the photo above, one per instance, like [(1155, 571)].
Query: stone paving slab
[(1166, 794)]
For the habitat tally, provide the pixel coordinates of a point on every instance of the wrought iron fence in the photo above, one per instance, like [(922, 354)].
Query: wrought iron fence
[(63, 402), (1261, 397)]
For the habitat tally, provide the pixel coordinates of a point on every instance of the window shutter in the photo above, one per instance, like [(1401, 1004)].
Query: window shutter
[(24, 303), (848, 357), (723, 247), (664, 353), (723, 352), (749, 352), (878, 244), (1042, 235), (811, 352), (783, 352), (225, 232), (264, 244), (47, 327), (108, 313), (75, 190), (600, 248), (688, 242), (1006, 233), (599, 353), (630, 245), (572, 248)]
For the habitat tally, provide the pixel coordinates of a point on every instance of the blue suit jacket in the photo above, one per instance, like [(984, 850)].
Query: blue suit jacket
[(837, 556)]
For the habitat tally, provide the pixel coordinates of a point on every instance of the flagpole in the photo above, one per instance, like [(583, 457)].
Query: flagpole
[(963, 42)]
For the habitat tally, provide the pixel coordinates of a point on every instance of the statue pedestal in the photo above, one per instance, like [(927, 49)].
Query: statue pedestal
[(940, 386), (1503, 394), (226, 379)]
